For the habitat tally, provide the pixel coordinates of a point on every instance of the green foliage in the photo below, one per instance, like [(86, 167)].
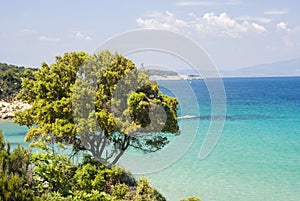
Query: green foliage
[(120, 118), (120, 190), (52, 173), (63, 89), (145, 192), (89, 177), (50, 96), (56, 178), (51, 177), (124, 100), (15, 180), (92, 174), (11, 78), (161, 72), (192, 198), (94, 195)]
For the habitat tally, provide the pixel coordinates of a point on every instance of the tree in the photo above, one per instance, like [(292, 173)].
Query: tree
[(101, 103)]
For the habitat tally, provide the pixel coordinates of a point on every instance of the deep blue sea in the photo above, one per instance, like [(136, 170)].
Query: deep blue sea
[(257, 157)]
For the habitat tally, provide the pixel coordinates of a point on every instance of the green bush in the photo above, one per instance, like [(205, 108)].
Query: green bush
[(191, 199), (44, 176), (52, 173), (15, 183), (120, 190), (145, 192)]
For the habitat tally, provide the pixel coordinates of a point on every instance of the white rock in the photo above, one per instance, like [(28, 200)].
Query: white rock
[(7, 109), (3, 110), (4, 104), (8, 115)]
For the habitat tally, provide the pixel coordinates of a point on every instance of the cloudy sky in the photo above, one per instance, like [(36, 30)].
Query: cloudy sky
[(235, 33)]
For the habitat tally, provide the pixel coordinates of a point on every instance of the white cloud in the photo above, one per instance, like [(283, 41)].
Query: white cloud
[(49, 39), (281, 26), (259, 28), (81, 36), (209, 24), (162, 21), (290, 35), (192, 15), (208, 3), (263, 20), (196, 3), (276, 12), (28, 31), (222, 25)]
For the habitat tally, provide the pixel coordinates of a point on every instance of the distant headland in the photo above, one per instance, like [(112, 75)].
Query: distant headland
[(171, 75)]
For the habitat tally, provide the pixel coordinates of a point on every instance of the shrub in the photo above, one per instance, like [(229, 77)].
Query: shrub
[(145, 192), (191, 199), (120, 190), (15, 181)]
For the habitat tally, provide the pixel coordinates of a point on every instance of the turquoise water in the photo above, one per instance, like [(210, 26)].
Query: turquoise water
[(257, 157), (13, 133), (258, 154)]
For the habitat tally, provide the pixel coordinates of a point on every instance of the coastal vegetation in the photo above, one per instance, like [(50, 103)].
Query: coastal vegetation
[(55, 122), (162, 72), (38, 176), (91, 101), (11, 77), (47, 176)]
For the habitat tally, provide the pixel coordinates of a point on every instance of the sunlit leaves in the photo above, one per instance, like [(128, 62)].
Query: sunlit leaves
[(102, 94)]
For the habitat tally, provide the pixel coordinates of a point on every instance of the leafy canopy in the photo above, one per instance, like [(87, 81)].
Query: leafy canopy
[(92, 101)]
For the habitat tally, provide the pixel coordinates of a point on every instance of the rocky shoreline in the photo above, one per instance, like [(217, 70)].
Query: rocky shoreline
[(7, 109)]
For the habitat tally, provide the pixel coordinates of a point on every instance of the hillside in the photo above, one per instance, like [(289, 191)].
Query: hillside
[(157, 72), (11, 80), (282, 68)]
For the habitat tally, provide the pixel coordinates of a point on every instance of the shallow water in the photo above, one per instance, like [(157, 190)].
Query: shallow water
[(257, 156)]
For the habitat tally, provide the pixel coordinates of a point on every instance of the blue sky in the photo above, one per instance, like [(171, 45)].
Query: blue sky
[(235, 33)]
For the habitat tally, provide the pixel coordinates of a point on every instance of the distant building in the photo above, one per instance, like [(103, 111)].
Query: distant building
[(176, 77), (195, 77)]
